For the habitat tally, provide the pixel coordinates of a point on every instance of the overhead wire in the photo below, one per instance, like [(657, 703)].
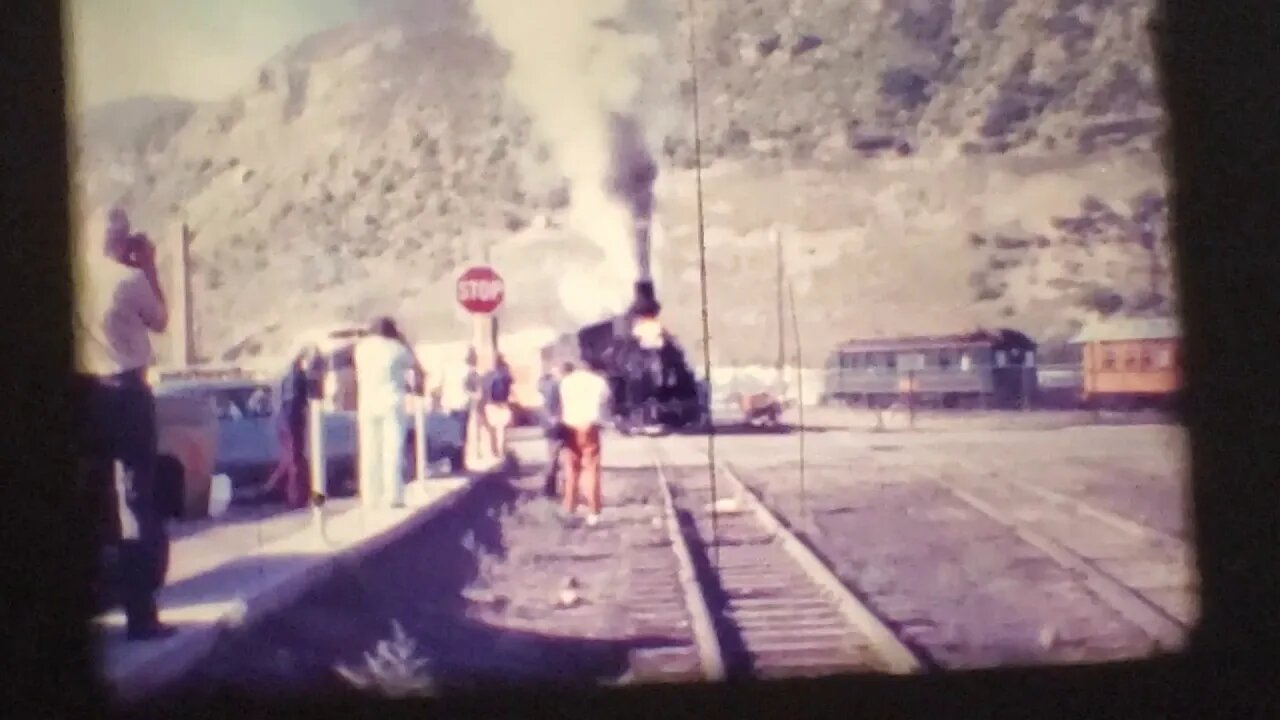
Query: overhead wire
[(702, 266)]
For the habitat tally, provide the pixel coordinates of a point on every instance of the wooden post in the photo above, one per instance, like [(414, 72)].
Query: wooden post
[(420, 439), (316, 455), (477, 451), (911, 395), (180, 334)]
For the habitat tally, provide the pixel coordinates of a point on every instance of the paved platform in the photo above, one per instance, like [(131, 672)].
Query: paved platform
[(213, 586)]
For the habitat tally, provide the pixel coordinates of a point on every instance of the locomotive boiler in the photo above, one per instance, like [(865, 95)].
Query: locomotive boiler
[(653, 387)]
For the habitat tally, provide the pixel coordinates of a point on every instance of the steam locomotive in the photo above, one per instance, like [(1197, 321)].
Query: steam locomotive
[(653, 387)]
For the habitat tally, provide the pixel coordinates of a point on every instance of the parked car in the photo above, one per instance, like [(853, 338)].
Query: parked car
[(187, 442), (248, 447), (445, 435)]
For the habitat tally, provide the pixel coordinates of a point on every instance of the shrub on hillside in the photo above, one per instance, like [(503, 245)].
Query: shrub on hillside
[(905, 87), (1007, 242), (1104, 300)]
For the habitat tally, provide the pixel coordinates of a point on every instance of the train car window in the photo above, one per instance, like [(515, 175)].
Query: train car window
[(1144, 360), (1108, 359), (1001, 358), (1030, 360), (1130, 359), (1164, 358), (966, 361), (890, 360), (945, 358)]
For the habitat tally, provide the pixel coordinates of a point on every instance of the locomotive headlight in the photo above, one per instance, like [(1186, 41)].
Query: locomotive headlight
[(648, 333)]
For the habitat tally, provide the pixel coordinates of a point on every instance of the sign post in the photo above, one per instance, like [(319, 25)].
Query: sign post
[(480, 292), (420, 440), (319, 482)]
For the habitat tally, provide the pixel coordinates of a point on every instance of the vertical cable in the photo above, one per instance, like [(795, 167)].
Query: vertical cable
[(702, 268), (795, 327), (782, 336)]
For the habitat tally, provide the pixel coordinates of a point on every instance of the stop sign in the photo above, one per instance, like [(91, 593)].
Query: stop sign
[(480, 289)]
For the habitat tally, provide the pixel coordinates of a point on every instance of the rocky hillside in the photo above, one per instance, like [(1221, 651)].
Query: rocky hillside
[(929, 166)]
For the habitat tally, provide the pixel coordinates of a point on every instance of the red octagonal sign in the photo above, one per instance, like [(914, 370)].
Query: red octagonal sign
[(480, 289)]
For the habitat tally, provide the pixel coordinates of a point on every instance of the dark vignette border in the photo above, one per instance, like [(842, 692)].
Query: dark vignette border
[(1219, 64)]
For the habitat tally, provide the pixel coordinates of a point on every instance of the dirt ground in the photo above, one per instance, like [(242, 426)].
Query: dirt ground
[(1127, 466), (970, 590), (480, 591), (504, 588)]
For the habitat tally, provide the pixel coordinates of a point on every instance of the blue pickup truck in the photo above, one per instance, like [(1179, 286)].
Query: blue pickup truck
[(248, 447)]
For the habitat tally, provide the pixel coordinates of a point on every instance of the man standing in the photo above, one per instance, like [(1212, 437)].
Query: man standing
[(121, 302), (418, 389), (384, 372), (584, 396), (549, 388)]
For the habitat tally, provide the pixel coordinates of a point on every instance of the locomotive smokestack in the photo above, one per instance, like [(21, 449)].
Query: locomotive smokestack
[(646, 302)]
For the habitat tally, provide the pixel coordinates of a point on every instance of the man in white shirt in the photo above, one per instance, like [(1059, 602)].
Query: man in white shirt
[(384, 372), (584, 398), (119, 303)]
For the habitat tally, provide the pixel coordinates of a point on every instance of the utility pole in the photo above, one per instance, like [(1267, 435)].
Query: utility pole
[(181, 335)]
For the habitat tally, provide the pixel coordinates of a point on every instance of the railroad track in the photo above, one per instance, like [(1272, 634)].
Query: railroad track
[(1139, 530), (1088, 568), (1139, 571), (763, 604), (647, 604)]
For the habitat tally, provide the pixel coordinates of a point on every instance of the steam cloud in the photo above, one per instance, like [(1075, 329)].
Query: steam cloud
[(579, 68)]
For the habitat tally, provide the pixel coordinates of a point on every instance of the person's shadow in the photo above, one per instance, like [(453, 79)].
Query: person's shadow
[(418, 583)]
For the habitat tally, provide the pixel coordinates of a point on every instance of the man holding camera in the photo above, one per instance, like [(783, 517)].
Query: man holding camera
[(120, 304)]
